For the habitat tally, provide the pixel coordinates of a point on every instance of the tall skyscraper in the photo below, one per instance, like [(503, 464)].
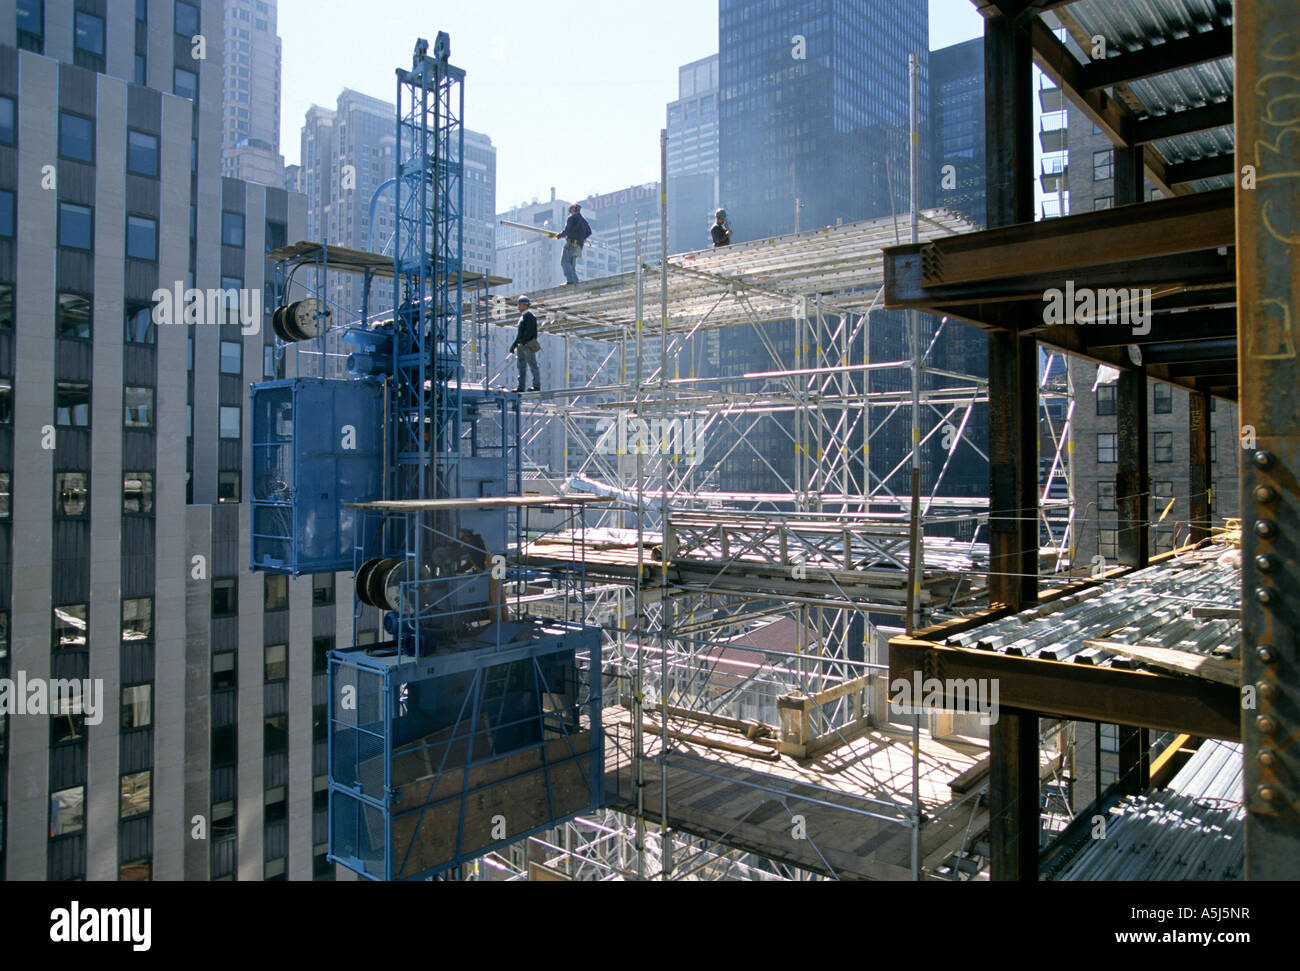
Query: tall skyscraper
[(193, 748), (956, 123), (693, 156), (813, 106), (250, 123)]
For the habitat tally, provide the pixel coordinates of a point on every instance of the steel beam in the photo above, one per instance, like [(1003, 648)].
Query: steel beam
[(1132, 480), (1186, 122), (1013, 797), (1195, 48), (1062, 689), (1199, 481), (1268, 258)]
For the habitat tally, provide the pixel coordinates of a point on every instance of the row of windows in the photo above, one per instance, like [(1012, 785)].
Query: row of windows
[(72, 493), (275, 593), (1162, 541), (77, 231), (1162, 447), (1162, 399)]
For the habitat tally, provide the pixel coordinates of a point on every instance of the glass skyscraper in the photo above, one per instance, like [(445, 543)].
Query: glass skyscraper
[(813, 105)]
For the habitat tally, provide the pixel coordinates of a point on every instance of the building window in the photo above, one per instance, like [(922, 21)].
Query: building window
[(8, 121), (277, 805), (1103, 202), (225, 597), (185, 83), (71, 493), (1107, 540), (89, 35), (276, 592), (137, 706), (1106, 399), (270, 368), (136, 789), (6, 401), (232, 229), (72, 404), (6, 490), (141, 238), (1106, 447), (1162, 541), (223, 670), (141, 70), (1103, 165), (1106, 496), (228, 486), (138, 407), (31, 25), (139, 322), (1164, 446), (186, 18), (1214, 447), (223, 820), (1162, 491), (141, 153), (137, 492), (277, 662), (76, 137), (8, 220), (72, 316), (1162, 399), (275, 735), (137, 619), (322, 589), (6, 306), (75, 226), (231, 354), (67, 811), (229, 421), (70, 627), (320, 648), (277, 235)]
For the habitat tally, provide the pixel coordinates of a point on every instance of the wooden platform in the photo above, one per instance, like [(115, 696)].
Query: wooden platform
[(751, 803)]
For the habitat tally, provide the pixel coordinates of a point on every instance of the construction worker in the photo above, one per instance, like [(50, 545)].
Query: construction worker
[(575, 234), (720, 231), (526, 345)]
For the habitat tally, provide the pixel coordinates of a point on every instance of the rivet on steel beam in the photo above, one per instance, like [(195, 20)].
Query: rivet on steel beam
[(1266, 529), (1264, 595), (1265, 493), (1267, 793), (1267, 690), (1264, 460), (1267, 758), (1265, 653), (1266, 724), (1265, 563)]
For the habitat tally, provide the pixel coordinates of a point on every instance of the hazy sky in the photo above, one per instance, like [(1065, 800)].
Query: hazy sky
[(572, 93)]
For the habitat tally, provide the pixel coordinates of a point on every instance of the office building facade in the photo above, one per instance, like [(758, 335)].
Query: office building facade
[(250, 123), (192, 745)]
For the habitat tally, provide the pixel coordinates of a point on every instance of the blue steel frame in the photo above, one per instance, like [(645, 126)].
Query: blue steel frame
[(436, 451)]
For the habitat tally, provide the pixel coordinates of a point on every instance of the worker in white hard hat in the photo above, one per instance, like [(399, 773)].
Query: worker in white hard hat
[(526, 344)]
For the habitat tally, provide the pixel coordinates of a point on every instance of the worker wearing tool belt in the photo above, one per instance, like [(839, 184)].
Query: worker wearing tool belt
[(526, 345), (575, 233)]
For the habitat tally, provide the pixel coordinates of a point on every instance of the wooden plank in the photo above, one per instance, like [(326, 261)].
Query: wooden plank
[(478, 502), (1217, 669)]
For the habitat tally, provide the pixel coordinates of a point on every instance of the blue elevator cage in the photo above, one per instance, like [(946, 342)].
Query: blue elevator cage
[(316, 445)]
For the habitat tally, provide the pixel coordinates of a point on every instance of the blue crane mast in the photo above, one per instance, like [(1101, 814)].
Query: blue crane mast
[(474, 724)]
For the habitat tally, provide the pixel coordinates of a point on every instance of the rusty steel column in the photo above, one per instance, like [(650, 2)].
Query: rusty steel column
[(1129, 180), (1013, 361), (1267, 57), (1013, 445), (1199, 480), (1133, 479), (1013, 797)]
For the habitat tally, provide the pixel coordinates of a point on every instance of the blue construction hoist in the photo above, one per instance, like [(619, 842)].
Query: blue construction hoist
[(470, 724)]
